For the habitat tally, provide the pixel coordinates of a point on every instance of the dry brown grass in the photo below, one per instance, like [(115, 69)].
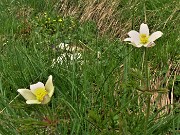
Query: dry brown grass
[(104, 13), (165, 99)]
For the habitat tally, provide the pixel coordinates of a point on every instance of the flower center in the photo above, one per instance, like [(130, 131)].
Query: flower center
[(40, 93), (143, 38)]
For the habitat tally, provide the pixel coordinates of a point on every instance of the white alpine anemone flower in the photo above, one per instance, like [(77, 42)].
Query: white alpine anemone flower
[(142, 38), (38, 93)]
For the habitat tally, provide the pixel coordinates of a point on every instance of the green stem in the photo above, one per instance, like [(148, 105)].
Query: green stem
[(147, 88), (125, 78)]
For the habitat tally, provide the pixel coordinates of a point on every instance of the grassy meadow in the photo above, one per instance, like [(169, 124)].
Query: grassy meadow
[(100, 81)]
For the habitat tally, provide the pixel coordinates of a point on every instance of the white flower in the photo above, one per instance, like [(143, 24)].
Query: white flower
[(65, 57), (68, 47), (63, 46), (38, 93), (142, 38)]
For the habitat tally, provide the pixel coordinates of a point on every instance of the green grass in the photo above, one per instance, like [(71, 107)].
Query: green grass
[(93, 95)]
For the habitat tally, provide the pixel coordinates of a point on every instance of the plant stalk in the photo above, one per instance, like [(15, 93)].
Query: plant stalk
[(147, 89)]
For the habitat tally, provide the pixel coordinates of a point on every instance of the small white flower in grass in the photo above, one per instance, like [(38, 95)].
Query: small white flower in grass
[(38, 93), (65, 57), (142, 38), (63, 46), (68, 47)]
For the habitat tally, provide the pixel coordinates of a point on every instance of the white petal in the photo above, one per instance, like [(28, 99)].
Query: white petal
[(74, 48), (78, 55), (128, 39), (46, 99), (63, 46), (136, 44), (49, 86), (71, 56), (155, 36), (133, 34), (134, 37), (144, 29), (27, 94), (33, 102), (150, 44), (33, 87), (60, 60)]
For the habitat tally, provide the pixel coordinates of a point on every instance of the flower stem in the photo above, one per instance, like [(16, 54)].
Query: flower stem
[(147, 89)]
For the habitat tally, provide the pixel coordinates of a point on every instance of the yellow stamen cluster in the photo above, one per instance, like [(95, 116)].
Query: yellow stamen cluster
[(144, 38), (40, 93)]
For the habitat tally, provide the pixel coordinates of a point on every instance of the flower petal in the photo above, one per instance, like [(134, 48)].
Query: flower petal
[(136, 44), (150, 44), (46, 99), (134, 37), (128, 39), (144, 29), (33, 102), (155, 36), (27, 94), (133, 34), (49, 86), (64, 46), (33, 87)]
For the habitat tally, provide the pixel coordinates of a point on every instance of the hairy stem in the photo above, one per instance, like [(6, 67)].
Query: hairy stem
[(147, 89)]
